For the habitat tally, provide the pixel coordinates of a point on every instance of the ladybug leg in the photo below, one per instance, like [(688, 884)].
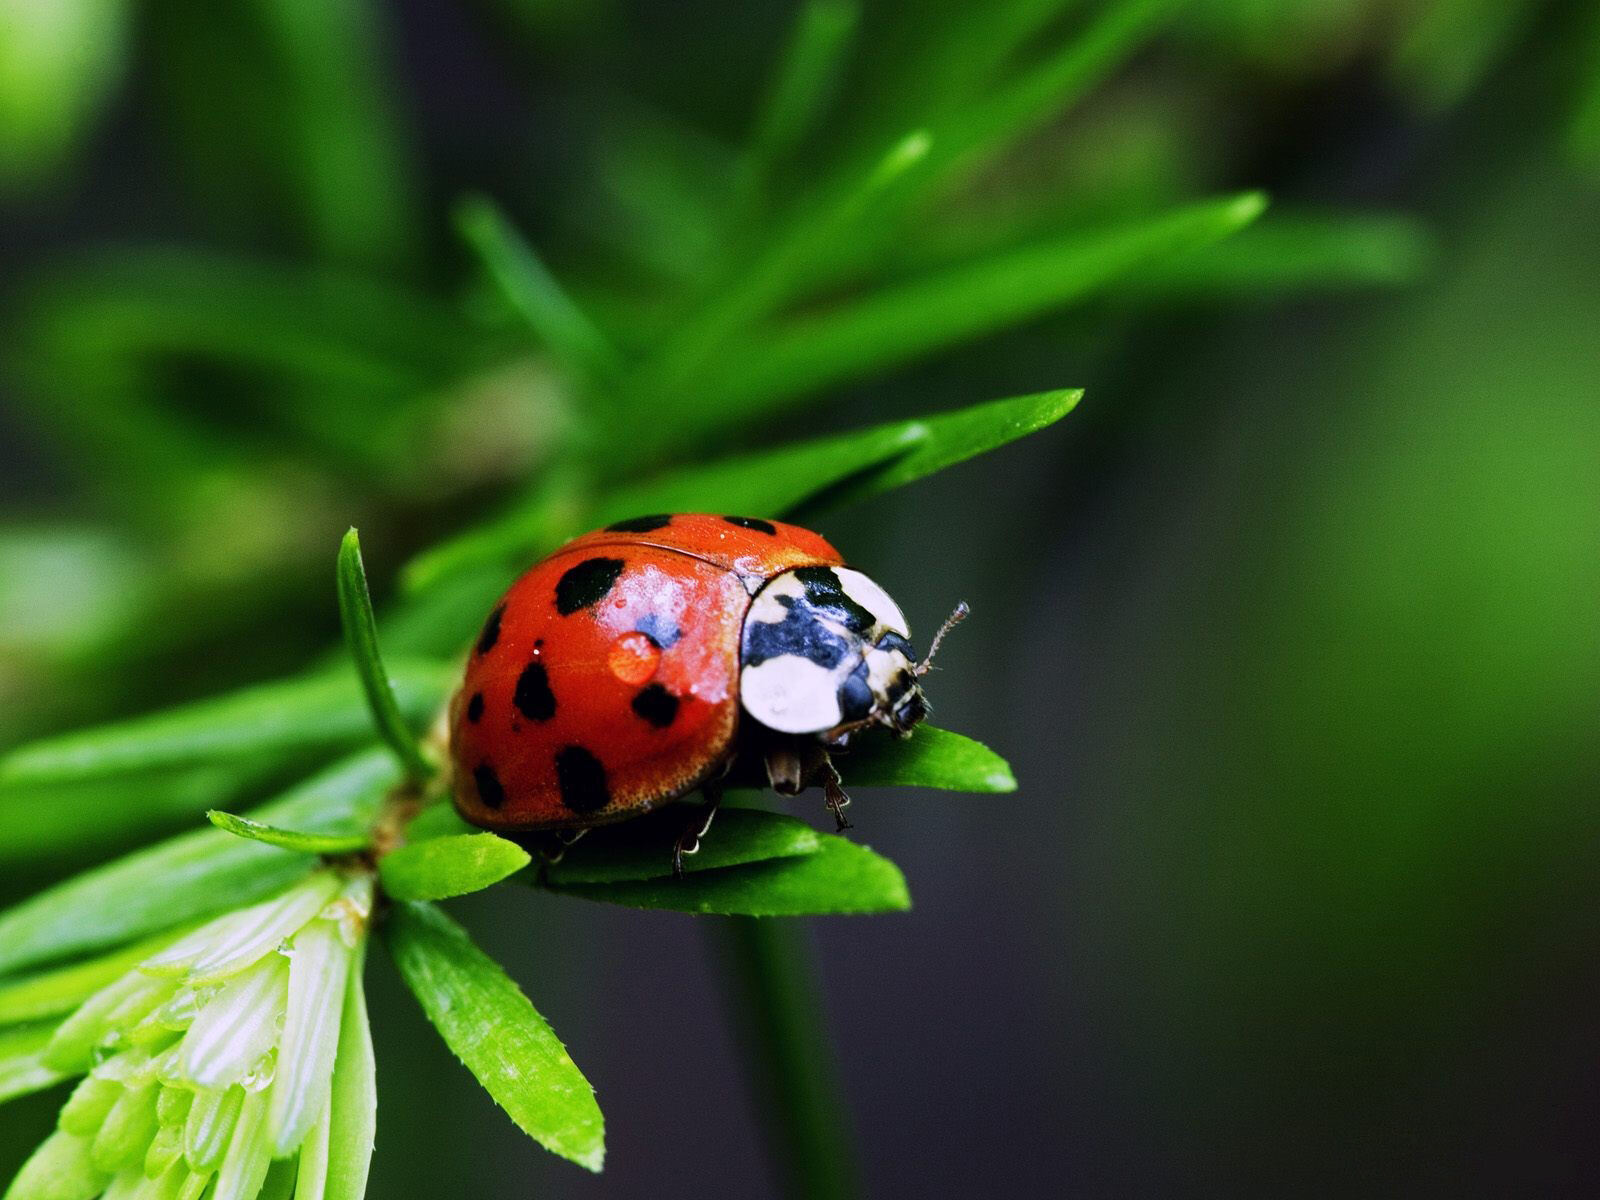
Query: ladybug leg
[(689, 840), (553, 845), (838, 801)]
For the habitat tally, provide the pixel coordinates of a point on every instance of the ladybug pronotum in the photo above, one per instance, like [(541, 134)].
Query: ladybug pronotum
[(640, 662)]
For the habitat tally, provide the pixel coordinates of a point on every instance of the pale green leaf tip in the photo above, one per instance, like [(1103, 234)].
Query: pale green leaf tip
[(1247, 206)]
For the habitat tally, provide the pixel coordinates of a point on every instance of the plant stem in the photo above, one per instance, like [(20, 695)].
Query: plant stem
[(777, 1006)]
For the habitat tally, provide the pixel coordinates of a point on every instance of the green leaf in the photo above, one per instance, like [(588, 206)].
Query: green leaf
[(642, 848), (532, 292), (439, 819), (361, 639), (56, 993), (493, 1029), (929, 758), (288, 839), (804, 81), (192, 876), (899, 323), (791, 481), (1293, 251), (839, 877), (81, 818), (353, 1105), (441, 867), (319, 711), (22, 1068)]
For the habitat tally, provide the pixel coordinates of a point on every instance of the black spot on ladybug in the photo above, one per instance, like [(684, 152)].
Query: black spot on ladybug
[(756, 523), (491, 631), (533, 696), (658, 629), (656, 705), (586, 584), (824, 591), (640, 524), (475, 707), (489, 789), (582, 779)]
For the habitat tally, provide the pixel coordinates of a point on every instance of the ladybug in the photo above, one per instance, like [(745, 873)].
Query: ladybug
[(642, 661)]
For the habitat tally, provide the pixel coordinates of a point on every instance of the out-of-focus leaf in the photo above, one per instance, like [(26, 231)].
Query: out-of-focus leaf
[(929, 758), (57, 992), (57, 62), (533, 293), (361, 639), (803, 83), (353, 1107), (901, 322), (441, 867), (297, 840), (189, 877), (1293, 251), (791, 480), (1583, 132), (493, 1029), (22, 1068), (1451, 44), (642, 848), (753, 293), (838, 877), (435, 821), (80, 817), (319, 711)]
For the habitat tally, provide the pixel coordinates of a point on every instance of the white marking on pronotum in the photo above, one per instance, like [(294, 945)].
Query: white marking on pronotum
[(791, 694), (874, 599)]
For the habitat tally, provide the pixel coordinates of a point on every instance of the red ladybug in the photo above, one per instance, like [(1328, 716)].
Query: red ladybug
[(639, 662)]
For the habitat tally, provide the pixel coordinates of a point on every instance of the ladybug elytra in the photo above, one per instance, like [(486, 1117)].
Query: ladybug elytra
[(640, 662)]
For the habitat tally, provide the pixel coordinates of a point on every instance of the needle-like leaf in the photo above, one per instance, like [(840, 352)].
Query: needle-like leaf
[(361, 638)]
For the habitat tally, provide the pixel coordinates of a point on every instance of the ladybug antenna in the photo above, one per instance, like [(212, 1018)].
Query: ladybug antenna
[(957, 615)]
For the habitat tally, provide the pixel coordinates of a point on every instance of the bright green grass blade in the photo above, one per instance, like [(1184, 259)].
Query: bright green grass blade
[(642, 848), (22, 1068), (288, 839), (1293, 252), (838, 877), (791, 480), (945, 440), (929, 758), (314, 712), (755, 292), (361, 639), (454, 865), (192, 876), (804, 81), (353, 1105), (493, 1029), (57, 992), (532, 292), (897, 324), (44, 819)]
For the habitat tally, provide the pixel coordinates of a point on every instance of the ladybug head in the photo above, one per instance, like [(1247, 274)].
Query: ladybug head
[(825, 651)]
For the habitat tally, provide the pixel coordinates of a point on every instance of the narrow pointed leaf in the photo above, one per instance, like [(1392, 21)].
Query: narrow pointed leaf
[(839, 877), (192, 876), (929, 758), (353, 1105), (22, 1067), (899, 323), (288, 839), (804, 81), (361, 639), (642, 848), (316, 712), (493, 1029), (792, 480), (532, 292), (438, 868)]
